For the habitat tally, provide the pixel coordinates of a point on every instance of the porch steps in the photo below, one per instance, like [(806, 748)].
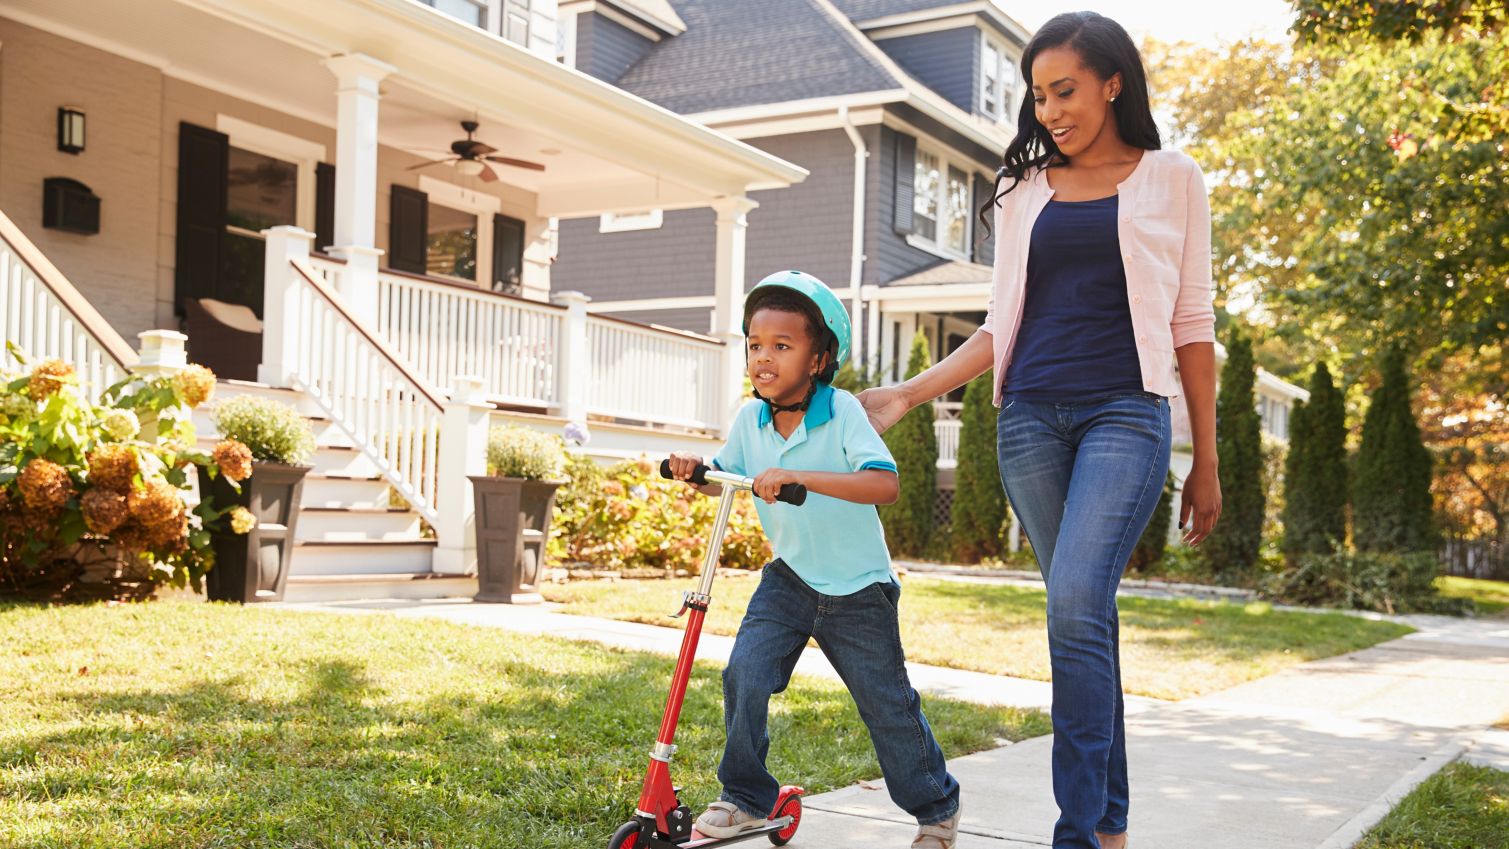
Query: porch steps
[(355, 538)]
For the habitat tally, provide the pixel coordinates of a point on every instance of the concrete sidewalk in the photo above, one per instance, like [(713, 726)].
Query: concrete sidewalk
[(1308, 758)]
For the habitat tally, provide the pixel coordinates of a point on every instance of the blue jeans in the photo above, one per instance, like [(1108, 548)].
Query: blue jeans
[(1084, 479), (860, 636)]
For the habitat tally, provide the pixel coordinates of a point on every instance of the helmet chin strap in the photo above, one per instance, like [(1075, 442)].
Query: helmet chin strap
[(791, 408)]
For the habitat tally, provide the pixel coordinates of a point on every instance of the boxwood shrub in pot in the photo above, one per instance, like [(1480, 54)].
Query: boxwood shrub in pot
[(514, 503)]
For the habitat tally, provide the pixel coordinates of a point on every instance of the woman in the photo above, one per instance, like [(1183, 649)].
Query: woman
[(1102, 283)]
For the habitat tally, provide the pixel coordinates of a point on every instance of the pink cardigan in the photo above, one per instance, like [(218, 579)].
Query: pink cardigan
[(1164, 229)]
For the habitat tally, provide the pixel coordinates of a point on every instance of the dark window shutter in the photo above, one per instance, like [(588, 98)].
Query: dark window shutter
[(408, 230), (203, 157), (324, 206), (985, 248), (508, 255), (906, 168)]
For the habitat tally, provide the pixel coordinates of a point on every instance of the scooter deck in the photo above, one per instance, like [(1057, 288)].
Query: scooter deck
[(706, 842)]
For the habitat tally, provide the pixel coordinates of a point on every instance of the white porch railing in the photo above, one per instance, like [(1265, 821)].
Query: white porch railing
[(390, 413), (652, 374), (947, 432), (444, 330), (44, 315)]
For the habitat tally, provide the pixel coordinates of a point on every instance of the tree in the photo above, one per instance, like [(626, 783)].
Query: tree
[(1466, 427), (914, 445), (1391, 500), (979, 502), (1154, 539), (1389, 20), (1231, 550), (1315, 472)]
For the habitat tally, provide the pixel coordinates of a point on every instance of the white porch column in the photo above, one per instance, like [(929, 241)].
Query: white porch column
[(574, 377), (872, 335), (280, 303), (728, 299), (357, 78), (463, 452)]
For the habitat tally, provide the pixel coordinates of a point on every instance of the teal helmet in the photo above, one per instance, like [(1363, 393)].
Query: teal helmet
[(825, 305)]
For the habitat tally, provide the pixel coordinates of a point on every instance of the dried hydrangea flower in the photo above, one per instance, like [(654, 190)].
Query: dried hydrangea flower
[(112, 466), (242, 520), (48, 378), (104, 510), (155, 504), (234, 459), (45, 486), (195, 384)]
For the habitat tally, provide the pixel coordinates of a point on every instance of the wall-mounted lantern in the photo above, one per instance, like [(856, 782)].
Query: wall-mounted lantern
[(70, 130)]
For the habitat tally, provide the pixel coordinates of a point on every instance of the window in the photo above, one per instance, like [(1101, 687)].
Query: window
[(926, 184), (516, 21), (451, 243), (998, 82), (621, 222), (473, 12), (261, 191), (940, 205)]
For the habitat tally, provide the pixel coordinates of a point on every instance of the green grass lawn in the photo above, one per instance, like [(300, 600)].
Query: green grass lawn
[(194, 725), (1461, 807), (1169, 649), (1490, 597)]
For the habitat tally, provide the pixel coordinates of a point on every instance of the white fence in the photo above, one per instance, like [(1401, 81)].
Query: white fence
[(42, 313), (651, 374), (947, 432)]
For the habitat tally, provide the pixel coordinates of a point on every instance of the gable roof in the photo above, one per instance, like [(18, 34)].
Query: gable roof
[(746, 54)]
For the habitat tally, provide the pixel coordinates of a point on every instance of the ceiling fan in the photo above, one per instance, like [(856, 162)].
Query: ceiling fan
[(471, 157)]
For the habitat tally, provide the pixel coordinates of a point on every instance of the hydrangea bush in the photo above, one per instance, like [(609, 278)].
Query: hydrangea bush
[(625, 516), (93, 495)]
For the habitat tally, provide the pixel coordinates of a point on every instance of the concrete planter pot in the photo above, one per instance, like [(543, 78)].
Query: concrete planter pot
[(513, 523), (253, 567)]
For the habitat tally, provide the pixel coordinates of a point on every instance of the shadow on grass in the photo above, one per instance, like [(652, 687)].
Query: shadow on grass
[(496, 740)]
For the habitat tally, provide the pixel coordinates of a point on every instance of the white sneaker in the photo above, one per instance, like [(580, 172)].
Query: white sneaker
[(939, 835), (724, 819)]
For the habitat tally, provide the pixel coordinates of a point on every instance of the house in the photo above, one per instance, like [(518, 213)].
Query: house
[(899, 109), (353, 205)]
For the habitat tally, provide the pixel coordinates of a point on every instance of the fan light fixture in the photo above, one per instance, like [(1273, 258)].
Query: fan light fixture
[(468, 167)]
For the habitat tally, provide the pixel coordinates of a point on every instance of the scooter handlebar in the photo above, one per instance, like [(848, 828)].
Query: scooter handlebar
[(792, 493)]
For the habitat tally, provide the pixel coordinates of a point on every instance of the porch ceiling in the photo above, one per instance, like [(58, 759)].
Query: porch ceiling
[(604, 150)]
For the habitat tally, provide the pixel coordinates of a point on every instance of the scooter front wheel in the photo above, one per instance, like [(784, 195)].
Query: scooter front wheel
[(791, 806), (627, 836)]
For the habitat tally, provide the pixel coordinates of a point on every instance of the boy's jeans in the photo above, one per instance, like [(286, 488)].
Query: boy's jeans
[(1084, 479), (861, 638)]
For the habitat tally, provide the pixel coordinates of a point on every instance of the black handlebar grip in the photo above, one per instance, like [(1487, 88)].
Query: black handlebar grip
[(699, 474), (793, 493)]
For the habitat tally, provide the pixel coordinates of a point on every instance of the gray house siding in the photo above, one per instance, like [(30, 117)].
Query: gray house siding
[(696, 320), (673, 261), (606, 49), (938, 60), (806, 226)]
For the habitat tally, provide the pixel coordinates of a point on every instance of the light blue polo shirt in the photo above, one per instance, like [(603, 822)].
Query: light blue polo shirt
[(836, 546)]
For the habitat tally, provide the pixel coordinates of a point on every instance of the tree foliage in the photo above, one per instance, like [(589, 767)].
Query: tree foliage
[(1232, 548), (914, 445), (979, 502), (1315, 471), (1391, 500)]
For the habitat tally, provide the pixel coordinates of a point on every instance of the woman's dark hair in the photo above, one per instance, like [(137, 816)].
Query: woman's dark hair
[(785, 300), (1106, 49)]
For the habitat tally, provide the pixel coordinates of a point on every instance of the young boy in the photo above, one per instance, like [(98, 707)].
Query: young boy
[(831, 579)]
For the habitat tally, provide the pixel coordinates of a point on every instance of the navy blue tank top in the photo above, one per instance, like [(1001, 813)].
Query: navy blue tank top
[(1076, 341)]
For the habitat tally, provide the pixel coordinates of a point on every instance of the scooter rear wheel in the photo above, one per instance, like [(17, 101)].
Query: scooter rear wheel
[(793, 807), (627, 836)]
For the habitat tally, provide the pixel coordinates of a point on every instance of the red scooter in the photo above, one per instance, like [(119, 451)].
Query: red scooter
[(661, 821)]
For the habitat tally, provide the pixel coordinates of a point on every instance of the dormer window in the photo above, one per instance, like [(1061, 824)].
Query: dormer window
[(999, 82), (507, 18)]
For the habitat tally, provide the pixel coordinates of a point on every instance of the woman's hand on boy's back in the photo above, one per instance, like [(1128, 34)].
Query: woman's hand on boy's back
[(884, 406)]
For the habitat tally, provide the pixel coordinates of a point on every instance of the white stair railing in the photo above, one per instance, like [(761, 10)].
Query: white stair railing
[(947, 433), (312, 342), (47, 318)]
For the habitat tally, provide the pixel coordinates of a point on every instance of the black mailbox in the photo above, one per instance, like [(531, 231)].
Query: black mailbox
[(70, 205)]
